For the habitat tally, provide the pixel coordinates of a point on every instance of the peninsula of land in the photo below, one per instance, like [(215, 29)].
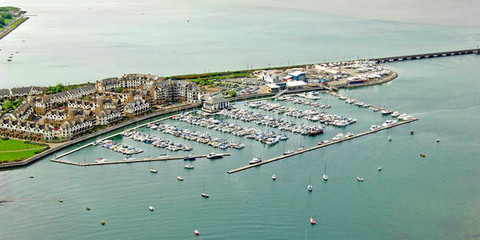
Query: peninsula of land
[(10, 19)]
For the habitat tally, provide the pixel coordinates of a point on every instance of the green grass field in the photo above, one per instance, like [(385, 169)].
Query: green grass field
[(12, 150)]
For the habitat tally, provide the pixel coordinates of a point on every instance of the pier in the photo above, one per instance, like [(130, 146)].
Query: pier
[(426, 55), (320, 146), (108, 137), (156, 159)]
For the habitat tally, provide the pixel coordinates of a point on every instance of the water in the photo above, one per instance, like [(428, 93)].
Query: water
[(412, 198)]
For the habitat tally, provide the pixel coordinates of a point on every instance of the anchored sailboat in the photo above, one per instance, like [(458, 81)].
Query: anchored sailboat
[(325, 177)]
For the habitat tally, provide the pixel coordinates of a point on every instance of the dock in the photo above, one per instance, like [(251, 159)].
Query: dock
[(156, 159), (108, 137), (320, 146)]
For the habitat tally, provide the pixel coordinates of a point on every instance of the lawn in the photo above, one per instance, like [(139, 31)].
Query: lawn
[(11, 150)]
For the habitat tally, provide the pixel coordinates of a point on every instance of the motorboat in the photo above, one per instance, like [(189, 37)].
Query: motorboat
[(179, 178), (188, 166), (395, 114), (388, 123), (313, 221), (390, 138), (374, 127), (316, 131), (255, 160), (284, 137), (214, 155), (360, 179), (190, 157), (338, 137), (309, 95), (153, 170), (386, 112), (289, 152), (309, 187), (196, 232), (151, 208), (274, 177), (380, 168)]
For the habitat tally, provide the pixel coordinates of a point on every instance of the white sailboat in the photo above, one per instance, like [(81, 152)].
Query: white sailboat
[(325, 177)]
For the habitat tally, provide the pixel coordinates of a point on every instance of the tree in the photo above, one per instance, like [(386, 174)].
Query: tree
[(119, 90), (232, 93), (2, 22), (7, 16)]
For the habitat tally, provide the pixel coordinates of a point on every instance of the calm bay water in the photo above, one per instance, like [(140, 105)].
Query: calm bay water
[(436, 197)]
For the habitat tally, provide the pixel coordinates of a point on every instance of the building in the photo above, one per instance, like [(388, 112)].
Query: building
[(136, 107), (23, 129), (295, 85), (105, 117), (169, 91), (273, 88), (4, 94), (298, 76), (125, 81), (74, 127), (214, 103)]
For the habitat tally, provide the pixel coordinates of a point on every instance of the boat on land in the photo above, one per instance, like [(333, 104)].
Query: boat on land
[(274, 177), (151, 208), (313, 221), (255, 160), (153, 170), (214, 155), (325, 176), (360, 179)]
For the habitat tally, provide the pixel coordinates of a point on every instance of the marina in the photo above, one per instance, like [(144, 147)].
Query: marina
[(321, 145)]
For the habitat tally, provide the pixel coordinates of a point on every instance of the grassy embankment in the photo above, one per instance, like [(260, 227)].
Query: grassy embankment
[(7, 15), (14, 150)]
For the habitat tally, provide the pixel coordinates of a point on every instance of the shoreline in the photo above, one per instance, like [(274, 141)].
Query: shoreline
[(13, 26)]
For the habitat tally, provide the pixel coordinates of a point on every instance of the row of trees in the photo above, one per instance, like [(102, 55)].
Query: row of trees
[(3, 17)]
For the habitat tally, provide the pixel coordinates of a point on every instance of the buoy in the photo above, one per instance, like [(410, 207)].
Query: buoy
[(102, 222), (88, 209), (438, 140), (422, 155), (411, 132)]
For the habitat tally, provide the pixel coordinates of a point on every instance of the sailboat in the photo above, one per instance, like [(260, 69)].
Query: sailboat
[(325, 177), (204, 193), (309, 186), (274, 177), (313, 221)]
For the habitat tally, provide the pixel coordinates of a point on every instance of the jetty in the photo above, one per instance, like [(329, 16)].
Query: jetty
[(155, 159), (426, 55), (108, 137), (321, 146)]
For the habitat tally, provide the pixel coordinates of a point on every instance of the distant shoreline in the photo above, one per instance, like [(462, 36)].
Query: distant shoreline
[(13, 26)]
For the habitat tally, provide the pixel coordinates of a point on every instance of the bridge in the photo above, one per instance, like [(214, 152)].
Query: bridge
[(426, 55)]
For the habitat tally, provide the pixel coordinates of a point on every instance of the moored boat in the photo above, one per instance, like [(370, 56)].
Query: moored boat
[(151, 208), (313, 221), (179, 178), (274, 177), (360, 179), (255, 160), (214, 155), (153, 170)]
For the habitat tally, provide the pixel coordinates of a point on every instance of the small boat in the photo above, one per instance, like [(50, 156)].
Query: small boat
[(395, 114), (422, 155), (179, 178), (196, 232), (386, 112), (313, 221), (153, 170), (60, 200), (100, 160), (255, 160), (289, 152), (390, 138), (325, 177), (204, 193), (274, 177), (190, 157), (151, 208), (214, 156), (438, 140), (380, 168), (360, 179), (412, 132), (309, 187), (318, 131), (188, 166)]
